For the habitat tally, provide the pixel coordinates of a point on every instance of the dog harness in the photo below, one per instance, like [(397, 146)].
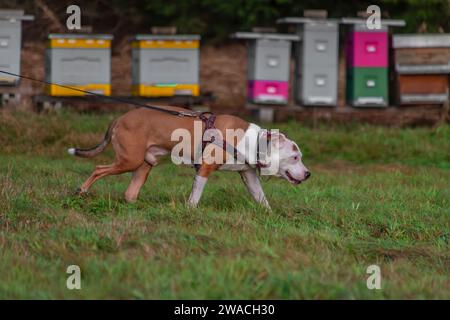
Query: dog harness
[(248, 148)]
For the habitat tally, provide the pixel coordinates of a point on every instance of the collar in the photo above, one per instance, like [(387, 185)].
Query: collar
[(248, 145), (260, 164)]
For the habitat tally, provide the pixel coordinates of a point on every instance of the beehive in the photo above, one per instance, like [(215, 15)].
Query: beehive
[(81, 61), (367, 57), (268, 64), (165, 65), (422, 63), (10, 43), (316, 60)]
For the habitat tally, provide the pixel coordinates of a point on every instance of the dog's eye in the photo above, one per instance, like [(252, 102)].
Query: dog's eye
[(296, 158)]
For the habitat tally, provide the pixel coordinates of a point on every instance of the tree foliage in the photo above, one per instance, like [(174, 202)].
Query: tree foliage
[(219, 18), (216, 19)]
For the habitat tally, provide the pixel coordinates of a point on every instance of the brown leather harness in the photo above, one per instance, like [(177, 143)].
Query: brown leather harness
[(209, 119)]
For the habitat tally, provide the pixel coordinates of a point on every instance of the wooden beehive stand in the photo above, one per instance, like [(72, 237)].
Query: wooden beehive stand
[(9, 96), (45, 103)]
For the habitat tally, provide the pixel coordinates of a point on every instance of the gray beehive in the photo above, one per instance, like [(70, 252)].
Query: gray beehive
[(10, 43), (268, 64), (316, 60), (82, 61), (165, 65)]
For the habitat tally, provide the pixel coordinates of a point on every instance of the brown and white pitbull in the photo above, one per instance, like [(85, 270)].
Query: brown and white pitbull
[(141, 136)]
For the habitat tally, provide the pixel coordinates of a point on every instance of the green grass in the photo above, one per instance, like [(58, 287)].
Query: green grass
[(376, 196)]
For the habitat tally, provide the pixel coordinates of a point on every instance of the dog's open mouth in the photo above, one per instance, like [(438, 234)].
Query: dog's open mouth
[(292, 179)]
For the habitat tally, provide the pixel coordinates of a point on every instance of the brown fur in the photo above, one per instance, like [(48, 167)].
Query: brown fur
[(135, 132)]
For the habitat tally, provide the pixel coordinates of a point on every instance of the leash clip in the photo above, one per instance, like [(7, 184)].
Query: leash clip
[(187, 114)]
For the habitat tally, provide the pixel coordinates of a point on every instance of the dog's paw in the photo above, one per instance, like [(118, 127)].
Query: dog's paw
[(130, 200), (79, 192), (191, 205)]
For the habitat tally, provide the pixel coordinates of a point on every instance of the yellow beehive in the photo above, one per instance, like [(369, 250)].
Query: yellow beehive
[(78, 61)]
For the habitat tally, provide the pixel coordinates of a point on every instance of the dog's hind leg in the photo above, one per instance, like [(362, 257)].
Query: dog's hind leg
[(139, 177), (253, 184), (103, 171), (129, 154)]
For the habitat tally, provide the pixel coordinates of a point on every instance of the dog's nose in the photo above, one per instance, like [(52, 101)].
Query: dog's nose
[(307, 175)]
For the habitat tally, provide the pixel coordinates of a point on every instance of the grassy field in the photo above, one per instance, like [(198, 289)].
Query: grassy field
[(376, 196)]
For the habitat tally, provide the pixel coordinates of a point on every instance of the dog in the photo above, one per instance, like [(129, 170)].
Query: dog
[(141, 136)]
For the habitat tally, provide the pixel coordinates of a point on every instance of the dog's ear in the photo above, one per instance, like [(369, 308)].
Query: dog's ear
[(275, 137), (282, 137)]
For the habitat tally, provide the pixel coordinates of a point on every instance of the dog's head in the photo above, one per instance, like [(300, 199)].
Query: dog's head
[(283, 158)]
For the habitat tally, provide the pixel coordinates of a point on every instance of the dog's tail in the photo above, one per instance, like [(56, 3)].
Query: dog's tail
[(92, 152)]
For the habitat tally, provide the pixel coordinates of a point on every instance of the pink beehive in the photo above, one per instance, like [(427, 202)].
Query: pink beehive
[(268, 91), (367, 49)]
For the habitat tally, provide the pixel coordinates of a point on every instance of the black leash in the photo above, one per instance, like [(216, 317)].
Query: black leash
[(172, 112), (209, 121)]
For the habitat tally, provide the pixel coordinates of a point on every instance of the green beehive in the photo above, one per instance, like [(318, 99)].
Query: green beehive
[(368, 62), (367, 86)]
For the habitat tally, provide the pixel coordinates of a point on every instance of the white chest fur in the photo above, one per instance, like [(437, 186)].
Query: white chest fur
[(247, 147)]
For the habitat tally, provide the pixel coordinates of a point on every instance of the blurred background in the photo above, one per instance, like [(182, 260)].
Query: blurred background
[(222, 60), (216, 19)]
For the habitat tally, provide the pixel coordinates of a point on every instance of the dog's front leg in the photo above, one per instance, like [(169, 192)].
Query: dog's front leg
[(197, 190), (253, 184), (199, 183)]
